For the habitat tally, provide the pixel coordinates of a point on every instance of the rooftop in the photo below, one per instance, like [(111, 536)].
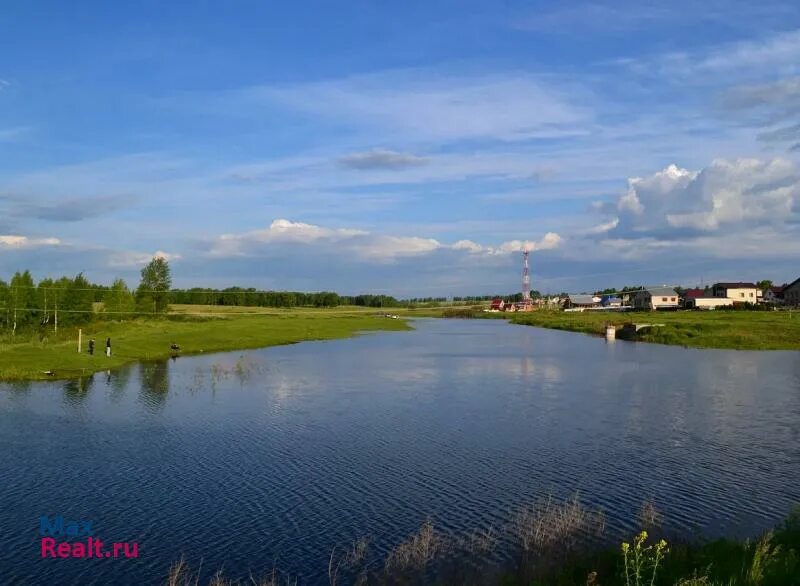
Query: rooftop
[(739, 285), (582, 299), (661, 291)]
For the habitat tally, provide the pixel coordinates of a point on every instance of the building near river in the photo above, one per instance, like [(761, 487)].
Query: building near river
[(707, 302), (773, 295), (581, 301), (739, 292), (655, 298), (497, 305), (791, 294)]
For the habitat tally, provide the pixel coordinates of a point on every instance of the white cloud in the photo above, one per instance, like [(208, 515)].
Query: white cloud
[(774, 55), (468, 245), (280, 231), (776, 51), (725, 203), (132, 259), (549, 241), (17, 242), (362, 244)]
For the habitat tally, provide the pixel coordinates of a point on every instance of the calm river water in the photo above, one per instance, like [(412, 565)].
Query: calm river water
[(266, 458)]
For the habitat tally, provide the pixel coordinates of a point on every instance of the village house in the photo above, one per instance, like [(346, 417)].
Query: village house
[(739, 292), (701, 299), (655, 298), (692, 293), (707, 302), (581, 301), (791, 294), (627, 298), (497, 305), (611, 301), (773, 295), (689, 294)]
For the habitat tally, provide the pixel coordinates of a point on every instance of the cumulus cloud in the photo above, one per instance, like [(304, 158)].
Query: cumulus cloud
[(381, 159), (468, 245), (361, 244), (724, 199), (549, 241), (22, 242), (131, 259)]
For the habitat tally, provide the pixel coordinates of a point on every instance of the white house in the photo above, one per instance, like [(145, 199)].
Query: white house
[(791, 293), (707, 302), (739, 292), (581, 301), (655, 298)]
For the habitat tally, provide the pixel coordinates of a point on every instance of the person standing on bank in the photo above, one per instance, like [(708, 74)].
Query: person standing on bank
[(91, 347), (108, 347)]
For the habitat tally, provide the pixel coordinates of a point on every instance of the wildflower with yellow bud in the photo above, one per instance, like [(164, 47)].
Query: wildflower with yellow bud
[(641, 562)]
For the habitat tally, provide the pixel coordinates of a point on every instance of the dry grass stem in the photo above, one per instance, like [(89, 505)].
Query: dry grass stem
[(549, 523), (416, 551), (648, 515)]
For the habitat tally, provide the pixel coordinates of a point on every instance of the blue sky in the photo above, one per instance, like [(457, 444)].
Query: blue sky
[(412, 148)]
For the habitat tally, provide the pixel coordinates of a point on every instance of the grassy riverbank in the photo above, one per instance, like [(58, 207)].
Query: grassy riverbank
[(196, 329), (739, 330), (552, 543)]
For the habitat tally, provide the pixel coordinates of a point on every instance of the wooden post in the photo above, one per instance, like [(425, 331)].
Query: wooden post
[(80, 334)]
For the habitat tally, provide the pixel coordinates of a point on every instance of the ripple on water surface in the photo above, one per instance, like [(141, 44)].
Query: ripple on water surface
[(271, 457)]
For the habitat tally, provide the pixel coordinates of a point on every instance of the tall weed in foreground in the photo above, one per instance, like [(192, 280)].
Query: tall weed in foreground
[(641, 561)]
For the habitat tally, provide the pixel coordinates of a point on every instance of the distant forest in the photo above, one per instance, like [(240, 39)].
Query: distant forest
[(67, 301), (26, 304)]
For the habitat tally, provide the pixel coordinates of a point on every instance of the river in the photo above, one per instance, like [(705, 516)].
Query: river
[(249, 460)]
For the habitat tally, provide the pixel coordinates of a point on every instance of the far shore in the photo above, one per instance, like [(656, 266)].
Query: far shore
[(732, 330), (195, 329), (41, 355)]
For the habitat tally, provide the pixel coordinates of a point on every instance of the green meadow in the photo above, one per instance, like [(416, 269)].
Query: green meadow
[(196, 329), (739, 330)]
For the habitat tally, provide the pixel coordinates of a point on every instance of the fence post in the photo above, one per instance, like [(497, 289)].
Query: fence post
[(80, 334)]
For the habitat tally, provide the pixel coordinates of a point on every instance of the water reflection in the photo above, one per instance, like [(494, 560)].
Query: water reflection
[(460, 422), (19, 387), (117, 381), (77, 390), (154, 381)]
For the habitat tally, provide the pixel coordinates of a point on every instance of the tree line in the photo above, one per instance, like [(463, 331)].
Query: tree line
[(251, 297), (74, 300), (68, 301)]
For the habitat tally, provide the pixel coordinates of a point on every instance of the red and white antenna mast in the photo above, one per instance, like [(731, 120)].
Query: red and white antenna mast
[(526, 277)]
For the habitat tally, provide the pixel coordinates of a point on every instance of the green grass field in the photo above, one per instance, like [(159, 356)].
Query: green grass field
[(739, 330), (196, 329)]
